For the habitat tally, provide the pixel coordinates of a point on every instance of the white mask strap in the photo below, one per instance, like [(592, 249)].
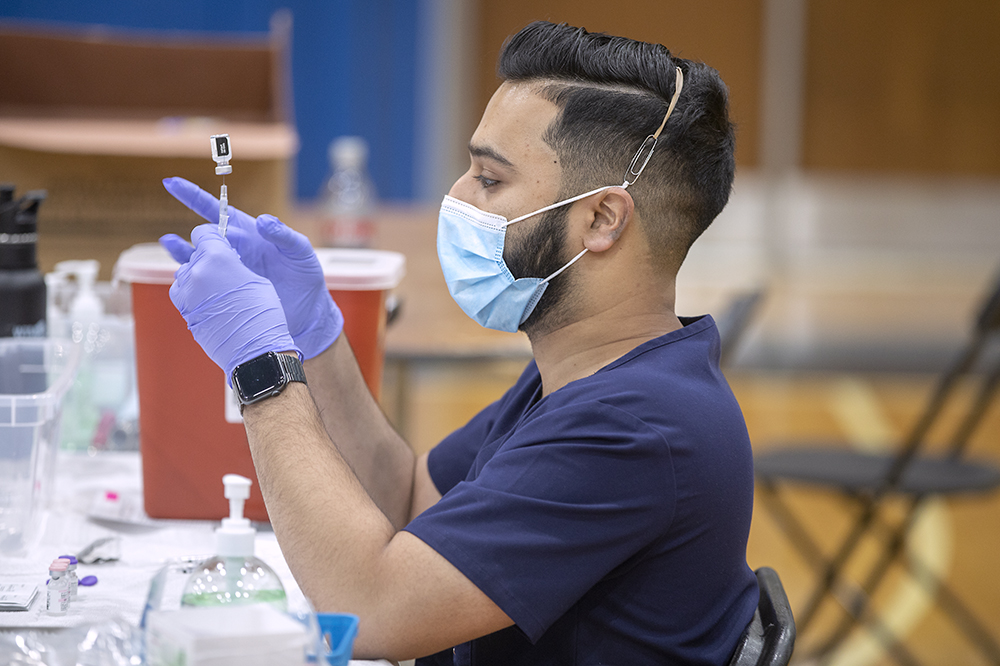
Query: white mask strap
[(571, 262), (560, 203)]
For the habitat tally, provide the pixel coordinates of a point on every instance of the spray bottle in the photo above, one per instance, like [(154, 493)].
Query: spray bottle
[(234, 575)]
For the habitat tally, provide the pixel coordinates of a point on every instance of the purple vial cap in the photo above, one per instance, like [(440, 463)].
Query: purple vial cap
[(87, 581), (71, 558)]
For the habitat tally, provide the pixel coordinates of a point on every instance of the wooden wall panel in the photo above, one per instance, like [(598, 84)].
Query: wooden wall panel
[(723, 33), (903, 86)]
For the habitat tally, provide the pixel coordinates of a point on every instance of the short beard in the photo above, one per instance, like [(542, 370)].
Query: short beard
[(540, 253)]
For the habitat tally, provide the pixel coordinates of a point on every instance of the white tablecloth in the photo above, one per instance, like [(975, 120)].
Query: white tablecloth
[(145, 546)]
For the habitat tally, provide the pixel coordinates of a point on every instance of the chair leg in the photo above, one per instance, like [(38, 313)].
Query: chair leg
[(960, 615), (843, 592), (963, 618), (956, 610), (829, 569), (836, 564), (855, 599), (875, 576)]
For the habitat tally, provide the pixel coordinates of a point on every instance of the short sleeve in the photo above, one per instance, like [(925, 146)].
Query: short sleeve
[(570, 496), (449, 462)]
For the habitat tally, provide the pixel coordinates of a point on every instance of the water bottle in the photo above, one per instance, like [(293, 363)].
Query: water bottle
[(22, 287), (347, 199)]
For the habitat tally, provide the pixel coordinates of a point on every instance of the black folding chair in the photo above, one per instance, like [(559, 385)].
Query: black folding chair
[(910, 472), (735, 321), (769, 639)]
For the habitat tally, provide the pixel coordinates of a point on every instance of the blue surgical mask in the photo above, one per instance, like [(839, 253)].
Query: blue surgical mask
[(470, 245), (470, 248)]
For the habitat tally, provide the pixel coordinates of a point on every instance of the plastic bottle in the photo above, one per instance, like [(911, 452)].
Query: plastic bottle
[(22, 287), (234, 575), (57, 591), (81, 414), (72, 582), (86, 309), (347, 199)]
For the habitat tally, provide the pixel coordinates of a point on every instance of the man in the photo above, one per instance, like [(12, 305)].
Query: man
[(597, 513)]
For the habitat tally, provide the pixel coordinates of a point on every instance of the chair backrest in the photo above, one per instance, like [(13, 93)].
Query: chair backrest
[(769, 639), (989, 316), (736, 320), (965, 365)]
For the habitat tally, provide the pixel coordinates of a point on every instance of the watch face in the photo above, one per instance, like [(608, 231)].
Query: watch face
[(258, 377)]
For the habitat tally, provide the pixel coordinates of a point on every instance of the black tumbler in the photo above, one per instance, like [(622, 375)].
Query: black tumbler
[(22, 287)]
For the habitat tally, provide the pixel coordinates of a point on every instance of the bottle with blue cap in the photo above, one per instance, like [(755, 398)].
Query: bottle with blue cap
[(234, 575)]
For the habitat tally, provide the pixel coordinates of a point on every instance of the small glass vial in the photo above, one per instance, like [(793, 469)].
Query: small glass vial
[(57, 591), (72, 580)]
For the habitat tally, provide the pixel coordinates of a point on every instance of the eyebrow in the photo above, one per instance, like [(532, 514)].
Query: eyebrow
[(488, 152)]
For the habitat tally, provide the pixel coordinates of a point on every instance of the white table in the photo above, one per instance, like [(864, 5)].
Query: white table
[(145, 546)]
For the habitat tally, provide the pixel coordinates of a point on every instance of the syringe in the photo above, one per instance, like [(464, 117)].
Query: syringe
[(222, 152), (223, 209)]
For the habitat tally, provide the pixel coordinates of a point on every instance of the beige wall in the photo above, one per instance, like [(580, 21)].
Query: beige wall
[(889, 85), (903, 85), (722, 33)]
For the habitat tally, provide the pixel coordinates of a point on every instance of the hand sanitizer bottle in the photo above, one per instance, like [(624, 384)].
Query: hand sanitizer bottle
[(234, 575)]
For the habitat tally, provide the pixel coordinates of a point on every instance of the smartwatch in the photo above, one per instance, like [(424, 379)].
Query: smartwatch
[(265, 376)]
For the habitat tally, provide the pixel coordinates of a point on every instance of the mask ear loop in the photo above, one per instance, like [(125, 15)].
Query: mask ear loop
[(650, 143)]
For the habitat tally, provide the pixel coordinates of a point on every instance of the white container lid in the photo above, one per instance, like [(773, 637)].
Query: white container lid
[(344, 269), (146, 263), (361, 270)]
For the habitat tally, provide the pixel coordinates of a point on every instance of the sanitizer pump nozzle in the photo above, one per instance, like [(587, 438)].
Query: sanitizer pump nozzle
[(234, 575), (236, 536)]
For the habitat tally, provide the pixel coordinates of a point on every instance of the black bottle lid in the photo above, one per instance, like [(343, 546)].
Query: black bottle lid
[(19, 228)]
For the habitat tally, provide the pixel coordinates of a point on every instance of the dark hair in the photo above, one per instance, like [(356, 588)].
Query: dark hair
[(612, 93)]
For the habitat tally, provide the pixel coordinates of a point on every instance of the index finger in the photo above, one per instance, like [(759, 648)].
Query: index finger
[(200, 201)]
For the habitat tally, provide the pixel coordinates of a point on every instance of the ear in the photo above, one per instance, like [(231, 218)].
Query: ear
[(610, 213)]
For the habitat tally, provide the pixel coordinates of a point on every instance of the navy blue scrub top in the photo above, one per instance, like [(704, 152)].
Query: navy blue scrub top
[(609, 519)]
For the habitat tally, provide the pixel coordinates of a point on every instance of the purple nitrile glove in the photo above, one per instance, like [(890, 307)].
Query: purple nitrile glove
[(276, 252), (233, 313)]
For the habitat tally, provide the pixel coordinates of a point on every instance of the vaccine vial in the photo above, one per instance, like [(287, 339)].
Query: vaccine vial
[(222, 152), (71, 577), (57, 591)]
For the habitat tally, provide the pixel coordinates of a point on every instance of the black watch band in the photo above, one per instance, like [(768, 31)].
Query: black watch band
[(265, 376)]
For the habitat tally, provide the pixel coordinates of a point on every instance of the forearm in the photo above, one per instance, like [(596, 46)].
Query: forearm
[(380, 458), (330, 531), (344, 553)]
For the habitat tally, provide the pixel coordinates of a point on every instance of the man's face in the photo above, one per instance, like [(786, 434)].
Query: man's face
[(514, 172)]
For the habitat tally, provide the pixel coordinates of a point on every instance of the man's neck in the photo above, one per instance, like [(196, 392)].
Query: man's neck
[(581, 348)]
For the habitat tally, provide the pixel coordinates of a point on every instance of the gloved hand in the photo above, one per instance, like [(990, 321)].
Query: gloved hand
[(233, 313), (276, 252)]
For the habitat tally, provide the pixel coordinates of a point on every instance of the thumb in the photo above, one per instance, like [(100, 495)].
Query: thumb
[(290, 242), (177, 247), (207, 239)]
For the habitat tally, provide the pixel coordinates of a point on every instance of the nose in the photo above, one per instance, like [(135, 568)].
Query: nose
[(461, 189)]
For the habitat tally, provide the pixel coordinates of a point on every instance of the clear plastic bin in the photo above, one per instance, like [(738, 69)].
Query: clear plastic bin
[(35, 374)]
